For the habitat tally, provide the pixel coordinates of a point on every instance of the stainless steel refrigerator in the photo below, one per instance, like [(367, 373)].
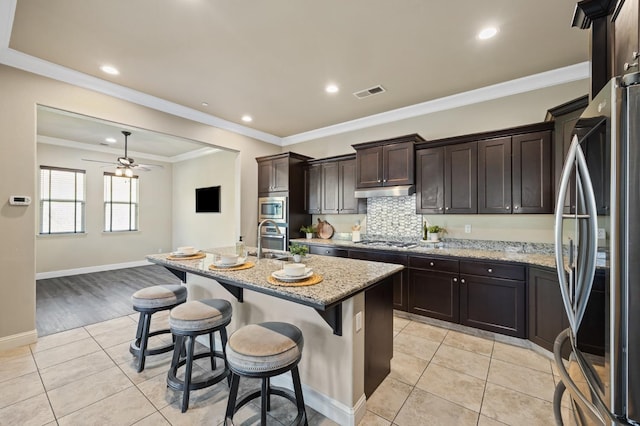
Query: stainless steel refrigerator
[(597, 229)]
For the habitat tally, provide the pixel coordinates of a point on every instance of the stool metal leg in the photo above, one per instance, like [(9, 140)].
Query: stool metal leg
[(264, 403), (233, 394), (223, 338), (187, 373), (144, 340), (212, 345), (175, 359), (268, 390), (297, 388)]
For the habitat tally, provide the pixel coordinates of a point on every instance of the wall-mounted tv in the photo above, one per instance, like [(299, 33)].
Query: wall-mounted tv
[(208, 200)]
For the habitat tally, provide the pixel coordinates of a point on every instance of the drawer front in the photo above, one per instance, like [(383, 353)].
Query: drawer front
[(379, 256), (433, 263), (328, 251), (492, 269)]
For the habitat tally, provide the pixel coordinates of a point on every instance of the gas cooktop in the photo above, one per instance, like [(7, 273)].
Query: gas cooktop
[(385, 243)]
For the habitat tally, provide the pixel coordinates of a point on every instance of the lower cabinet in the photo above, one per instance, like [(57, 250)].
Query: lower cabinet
[(328, 251), (400, 295), (434, 288)]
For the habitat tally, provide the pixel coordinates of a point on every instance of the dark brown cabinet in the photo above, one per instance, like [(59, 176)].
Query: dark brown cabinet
[(400, 295), (494, 175), (547, 317), (434, 288), (626, 43), (430, 180), (492, 297), (331, 186), (273, 175), (389, 162), (504, 171), (461, 178)]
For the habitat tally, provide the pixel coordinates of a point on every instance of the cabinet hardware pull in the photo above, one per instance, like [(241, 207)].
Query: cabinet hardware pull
[(462, 281), (446, 208), (516, 207), (627, 65), (489, 270), (379, 181), (440, 208), (430, 263), (635, 55), (506, 207), (455, 280)]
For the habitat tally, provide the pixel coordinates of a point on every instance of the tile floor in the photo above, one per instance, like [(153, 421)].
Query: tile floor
[(86, 376)]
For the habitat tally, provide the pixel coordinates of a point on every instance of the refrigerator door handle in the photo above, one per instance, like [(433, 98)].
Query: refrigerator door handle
[(576, 288)]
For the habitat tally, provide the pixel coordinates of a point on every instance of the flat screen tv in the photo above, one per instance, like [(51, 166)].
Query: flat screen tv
[(208, 200)]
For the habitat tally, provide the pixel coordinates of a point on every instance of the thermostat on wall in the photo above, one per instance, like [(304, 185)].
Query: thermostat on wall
[(19, 200)]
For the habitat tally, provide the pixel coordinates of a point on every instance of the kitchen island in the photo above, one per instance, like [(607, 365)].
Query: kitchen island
[(346, 320)]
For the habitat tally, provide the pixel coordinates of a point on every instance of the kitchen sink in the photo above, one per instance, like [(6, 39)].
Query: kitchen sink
[(273, 255)]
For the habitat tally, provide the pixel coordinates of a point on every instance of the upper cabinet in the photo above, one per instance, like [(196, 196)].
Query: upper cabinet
[(388, 162), (505, 171), (331, 186), (626, 44), (281, 173)]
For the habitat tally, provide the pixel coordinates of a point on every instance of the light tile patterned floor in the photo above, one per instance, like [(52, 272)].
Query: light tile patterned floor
[(439, 377)]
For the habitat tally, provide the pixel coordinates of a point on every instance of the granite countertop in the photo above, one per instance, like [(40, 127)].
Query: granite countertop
[(342, 278), (538, 259)]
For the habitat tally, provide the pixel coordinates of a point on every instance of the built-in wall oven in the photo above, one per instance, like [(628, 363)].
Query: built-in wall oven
[(273, 240), (274, 208)]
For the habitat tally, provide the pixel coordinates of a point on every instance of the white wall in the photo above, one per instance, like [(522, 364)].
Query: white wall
[(205, 230), (96, 247)]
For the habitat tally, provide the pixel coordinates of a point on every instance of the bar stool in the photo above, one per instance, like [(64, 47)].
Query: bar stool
[(188, 321), (262, 351), (148, 301)]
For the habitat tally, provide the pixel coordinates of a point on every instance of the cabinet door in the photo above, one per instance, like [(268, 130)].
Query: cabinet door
[(348, 203), (314, 189), (460, 178), (369, 167), (532, 173), (399, 280), (494, 175), (430, 180), (625, 36), (547, 317), (264, 177), (330, 183), (398, 166), (280, 174), (493, 304), (434, 294)]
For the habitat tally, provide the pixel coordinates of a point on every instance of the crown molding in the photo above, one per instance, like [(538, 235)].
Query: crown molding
[(7, 13), (520, 85)]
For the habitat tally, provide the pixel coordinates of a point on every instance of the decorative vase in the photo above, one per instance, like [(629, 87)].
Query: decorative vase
[(297, 258), (309, 235), (432, 236)]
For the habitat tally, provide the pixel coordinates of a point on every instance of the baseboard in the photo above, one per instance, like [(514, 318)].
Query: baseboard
[(17, 340), (90, 269), (328, 407)]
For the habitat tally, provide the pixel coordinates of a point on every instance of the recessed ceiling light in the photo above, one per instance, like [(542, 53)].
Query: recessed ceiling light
[(247, 118), (110, 69), (205, 104), (331, 88), (487, 33), (110, 140)]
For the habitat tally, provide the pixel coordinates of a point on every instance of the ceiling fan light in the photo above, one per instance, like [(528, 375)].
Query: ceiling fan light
[(118, 171), (128, 172)]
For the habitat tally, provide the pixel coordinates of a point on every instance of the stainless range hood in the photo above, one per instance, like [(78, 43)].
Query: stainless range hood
[(385, 191)]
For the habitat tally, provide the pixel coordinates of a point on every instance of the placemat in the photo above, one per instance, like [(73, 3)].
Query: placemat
[(245, 265), (312, 280), (200, 255)]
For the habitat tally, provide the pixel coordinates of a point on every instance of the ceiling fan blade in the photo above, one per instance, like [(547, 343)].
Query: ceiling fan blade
[(100, 161), (150, 166)]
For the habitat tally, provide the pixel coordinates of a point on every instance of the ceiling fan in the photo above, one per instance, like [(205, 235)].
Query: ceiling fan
[(125, 164)]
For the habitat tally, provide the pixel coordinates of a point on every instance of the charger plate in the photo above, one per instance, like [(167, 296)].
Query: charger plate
[(199, 255), (245, 265), (312, 280)]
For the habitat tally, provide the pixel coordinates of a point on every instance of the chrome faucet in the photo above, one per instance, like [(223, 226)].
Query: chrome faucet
[(259, 253)]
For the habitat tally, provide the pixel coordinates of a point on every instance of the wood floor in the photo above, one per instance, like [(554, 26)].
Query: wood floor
[(70, 302)]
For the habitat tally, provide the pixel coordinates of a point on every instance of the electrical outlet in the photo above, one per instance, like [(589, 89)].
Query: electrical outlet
[(160, 250), (602, 234), (359, 321), (467, 229)]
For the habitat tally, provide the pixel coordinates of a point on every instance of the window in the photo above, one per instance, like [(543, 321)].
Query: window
[(62, 200), (120, 203)]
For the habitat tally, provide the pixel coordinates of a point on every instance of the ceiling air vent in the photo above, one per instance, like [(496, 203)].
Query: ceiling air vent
[(369, 92)]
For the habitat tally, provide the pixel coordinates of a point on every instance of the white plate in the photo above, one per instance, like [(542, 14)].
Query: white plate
[(219, 264), (180, 254), (280, 275)]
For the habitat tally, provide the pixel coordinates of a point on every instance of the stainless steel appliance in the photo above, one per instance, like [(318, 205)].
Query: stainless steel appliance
[(271, 239), (274, 208), (599, 229)]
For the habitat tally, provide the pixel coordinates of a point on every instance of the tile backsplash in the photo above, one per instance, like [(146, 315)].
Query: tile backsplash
[(393, 217)]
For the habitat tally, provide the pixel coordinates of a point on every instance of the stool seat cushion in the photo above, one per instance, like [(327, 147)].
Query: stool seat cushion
[(199, 315), (264, 347), (159, 296)]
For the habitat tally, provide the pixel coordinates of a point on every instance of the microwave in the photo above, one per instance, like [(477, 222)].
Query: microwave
[(274, 208)]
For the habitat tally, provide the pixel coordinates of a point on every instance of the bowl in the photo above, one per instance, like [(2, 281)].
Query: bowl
[(294, 269), (186, 250), (228, 259)]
